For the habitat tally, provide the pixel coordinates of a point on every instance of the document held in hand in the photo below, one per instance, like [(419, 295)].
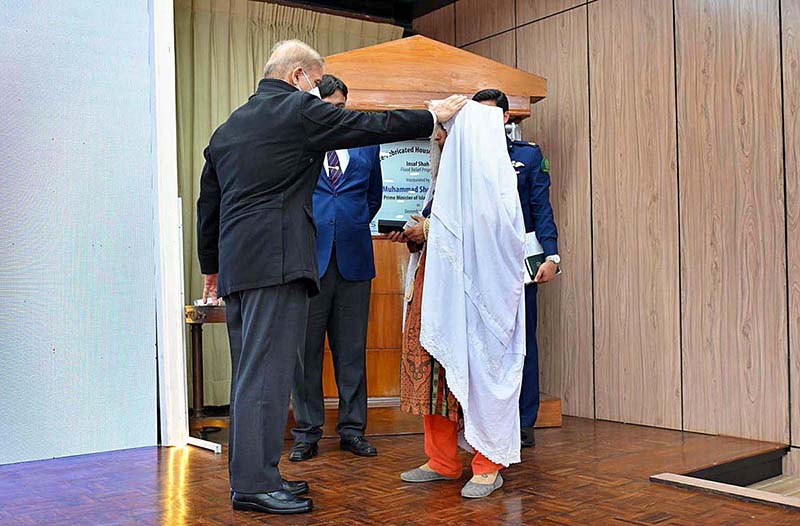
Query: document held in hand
[(534, 257)]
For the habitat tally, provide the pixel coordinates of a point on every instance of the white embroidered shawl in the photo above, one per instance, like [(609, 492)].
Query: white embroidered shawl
[(473, 308)]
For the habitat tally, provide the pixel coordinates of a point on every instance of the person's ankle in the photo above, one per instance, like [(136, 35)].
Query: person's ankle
[(485, 478), (427, 467)]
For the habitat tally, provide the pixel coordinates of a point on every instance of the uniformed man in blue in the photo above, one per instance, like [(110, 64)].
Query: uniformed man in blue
[(533, 185)]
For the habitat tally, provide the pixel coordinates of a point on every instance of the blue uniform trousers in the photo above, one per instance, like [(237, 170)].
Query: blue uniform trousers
[(529, 397)]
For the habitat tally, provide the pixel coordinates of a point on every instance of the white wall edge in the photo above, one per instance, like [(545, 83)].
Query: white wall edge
[(168, 242)]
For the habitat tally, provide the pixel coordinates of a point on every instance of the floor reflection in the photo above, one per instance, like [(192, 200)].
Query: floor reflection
[(174, 485)]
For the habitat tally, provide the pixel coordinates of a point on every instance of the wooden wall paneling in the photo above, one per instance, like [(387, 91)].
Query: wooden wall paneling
[(477, 19), (635, 212), (791, 119), (556, 49), (530, 10), (791, 462), (499, 48), (732, 219), (439, 24)]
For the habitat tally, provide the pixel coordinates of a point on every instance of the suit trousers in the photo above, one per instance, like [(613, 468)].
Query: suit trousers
[(342, 310), (266, 327), (529, 396)]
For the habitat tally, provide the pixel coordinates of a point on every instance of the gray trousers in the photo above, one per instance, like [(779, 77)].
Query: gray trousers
[(341, 309), (266, 327)]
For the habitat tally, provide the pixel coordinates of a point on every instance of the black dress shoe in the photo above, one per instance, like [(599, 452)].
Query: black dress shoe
[(528, 439), (295, 487), (359, 446), (303, 451), (279, 502)]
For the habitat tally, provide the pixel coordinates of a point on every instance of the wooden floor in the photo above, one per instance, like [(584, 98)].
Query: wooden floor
[(584, 473)]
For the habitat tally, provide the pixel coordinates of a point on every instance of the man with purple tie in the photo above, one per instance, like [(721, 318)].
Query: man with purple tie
[(347, 197)]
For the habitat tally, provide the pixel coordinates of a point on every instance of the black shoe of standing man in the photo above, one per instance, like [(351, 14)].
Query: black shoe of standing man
[(358, 445), (303, 451), (278, 502), (528, 440), (295, 487)]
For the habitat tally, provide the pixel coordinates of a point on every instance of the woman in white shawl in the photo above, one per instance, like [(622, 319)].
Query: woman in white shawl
[(425, 388)]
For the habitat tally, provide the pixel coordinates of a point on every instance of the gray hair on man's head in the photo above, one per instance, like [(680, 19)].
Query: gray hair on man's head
[(290, 54)]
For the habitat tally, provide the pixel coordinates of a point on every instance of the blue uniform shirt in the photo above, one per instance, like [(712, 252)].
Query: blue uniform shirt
[(533, 185)]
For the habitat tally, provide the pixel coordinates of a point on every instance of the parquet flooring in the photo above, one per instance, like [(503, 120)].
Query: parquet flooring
[(584, 473)]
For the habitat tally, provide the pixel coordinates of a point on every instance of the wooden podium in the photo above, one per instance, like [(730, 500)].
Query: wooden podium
[(398, 74)]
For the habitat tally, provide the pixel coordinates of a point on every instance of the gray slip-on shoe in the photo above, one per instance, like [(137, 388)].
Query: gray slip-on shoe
[(473, 490), (422, 475)]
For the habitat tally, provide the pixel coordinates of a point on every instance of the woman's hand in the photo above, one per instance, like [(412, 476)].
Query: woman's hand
[(416, 233)]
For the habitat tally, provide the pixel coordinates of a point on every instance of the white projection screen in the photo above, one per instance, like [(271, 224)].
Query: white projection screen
[(77, 254)]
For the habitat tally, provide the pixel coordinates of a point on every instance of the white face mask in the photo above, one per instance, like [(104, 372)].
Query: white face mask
[(314, 89)]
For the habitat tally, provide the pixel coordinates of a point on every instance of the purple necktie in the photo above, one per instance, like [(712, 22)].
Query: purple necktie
[(334, 169)]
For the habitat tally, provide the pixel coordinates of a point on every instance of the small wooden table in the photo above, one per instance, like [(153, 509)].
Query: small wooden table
[(196, 317)]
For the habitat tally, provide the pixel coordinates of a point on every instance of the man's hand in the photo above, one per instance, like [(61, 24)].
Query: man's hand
[(445, 109), (210, 289), (416, 233), (547, 271), (396, 237)]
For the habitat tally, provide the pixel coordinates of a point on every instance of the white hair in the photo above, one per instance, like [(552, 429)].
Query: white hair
[(290, 54)]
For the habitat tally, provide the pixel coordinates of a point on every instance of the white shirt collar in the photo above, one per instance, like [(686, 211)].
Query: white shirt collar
[(344, 160)]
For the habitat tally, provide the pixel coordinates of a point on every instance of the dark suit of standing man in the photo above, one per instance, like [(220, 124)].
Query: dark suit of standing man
[(533, 186), (257, 248), (347, 197)]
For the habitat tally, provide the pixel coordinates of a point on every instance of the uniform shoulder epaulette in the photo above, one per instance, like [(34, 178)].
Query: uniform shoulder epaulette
[(525, 144)]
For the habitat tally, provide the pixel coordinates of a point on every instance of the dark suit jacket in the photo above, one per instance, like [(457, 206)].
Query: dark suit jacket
[(255, 225), (343, 215)]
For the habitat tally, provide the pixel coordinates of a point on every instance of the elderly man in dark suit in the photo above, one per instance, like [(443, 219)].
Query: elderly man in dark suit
[(257, 248)]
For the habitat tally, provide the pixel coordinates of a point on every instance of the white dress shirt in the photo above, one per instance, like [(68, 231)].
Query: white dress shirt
[(344, 160)]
